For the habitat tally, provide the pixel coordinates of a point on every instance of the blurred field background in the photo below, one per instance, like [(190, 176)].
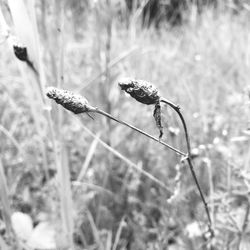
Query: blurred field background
[(72, 182)]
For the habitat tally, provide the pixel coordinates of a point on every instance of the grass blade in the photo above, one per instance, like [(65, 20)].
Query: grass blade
[(109, 240), (125, 159), (5, 199), (66, 198), (94, 230), (118, 233), (11, 138), (4, 28), (89, 157)]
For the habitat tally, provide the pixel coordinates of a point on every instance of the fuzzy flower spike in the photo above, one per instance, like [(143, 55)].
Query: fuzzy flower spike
[(146, 93), (73, 102), (142, 91)]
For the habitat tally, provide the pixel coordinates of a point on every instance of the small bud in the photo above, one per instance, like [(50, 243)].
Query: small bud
[(73, 102), (19, 49), (21, 53), (142, 91)]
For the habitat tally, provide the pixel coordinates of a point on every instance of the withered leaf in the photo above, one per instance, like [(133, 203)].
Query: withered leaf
[(157, 117)]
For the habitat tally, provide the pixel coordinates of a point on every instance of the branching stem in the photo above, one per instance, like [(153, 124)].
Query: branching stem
[(97, 110), (78, 104), (176, 108)]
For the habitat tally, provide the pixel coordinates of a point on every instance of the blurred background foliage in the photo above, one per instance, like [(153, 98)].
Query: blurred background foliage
[(197, 53)]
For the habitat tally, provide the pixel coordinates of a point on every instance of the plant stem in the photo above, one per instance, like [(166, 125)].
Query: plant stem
[(176, 108), (96, 110), (126, 160), (244, 224)]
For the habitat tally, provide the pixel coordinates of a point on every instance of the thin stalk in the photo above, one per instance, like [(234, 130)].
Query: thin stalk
[(59, 7), (66, 203), (244, 225), (11, 138), (211, 192), (105, 89), (118, 233), (126, 160), (4, 198), (96, 110), (189, 160)]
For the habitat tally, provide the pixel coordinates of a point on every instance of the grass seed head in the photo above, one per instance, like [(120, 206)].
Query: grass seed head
[(144, 92), (73, 102), (20, 50)]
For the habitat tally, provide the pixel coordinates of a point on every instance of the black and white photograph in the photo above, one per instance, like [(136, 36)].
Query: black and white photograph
[(124, 125)]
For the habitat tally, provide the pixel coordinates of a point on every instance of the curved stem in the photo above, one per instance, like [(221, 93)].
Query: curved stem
[(96, 110), (176, 108)]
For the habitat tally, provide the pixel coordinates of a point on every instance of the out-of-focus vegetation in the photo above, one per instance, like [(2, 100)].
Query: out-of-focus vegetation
[(60, 186)]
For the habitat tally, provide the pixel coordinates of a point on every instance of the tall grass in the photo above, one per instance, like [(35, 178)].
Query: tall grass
[(6, 210), (24, 19)]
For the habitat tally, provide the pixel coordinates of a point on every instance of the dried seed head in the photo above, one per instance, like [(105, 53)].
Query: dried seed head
[(19, 49), (142, 91), (73, 102), (20, 52)]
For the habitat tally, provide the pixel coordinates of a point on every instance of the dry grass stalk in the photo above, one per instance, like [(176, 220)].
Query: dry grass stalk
[(24, 19), (125, 159), (146, 93), (78, 104), (6, 211)]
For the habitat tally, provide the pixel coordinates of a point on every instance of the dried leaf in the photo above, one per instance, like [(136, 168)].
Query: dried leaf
[(157, 116)]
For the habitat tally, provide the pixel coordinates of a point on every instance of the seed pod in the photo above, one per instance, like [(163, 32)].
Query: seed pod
[(157, 116), (142, 91), (20, 50), (21, 53), (73, 102)]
